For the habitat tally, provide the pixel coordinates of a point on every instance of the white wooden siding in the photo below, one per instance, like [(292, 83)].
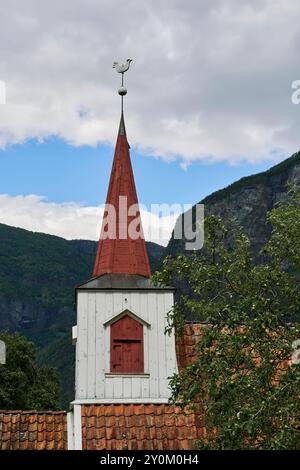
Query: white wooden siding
[(93, 380)]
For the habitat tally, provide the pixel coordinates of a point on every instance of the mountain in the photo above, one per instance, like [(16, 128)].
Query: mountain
[(38, 273), (249, 200)]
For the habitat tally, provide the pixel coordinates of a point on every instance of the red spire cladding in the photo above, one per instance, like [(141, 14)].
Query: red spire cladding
[(122, 248)]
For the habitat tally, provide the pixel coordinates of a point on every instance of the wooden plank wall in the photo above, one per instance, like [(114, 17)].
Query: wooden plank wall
[(93, 344)]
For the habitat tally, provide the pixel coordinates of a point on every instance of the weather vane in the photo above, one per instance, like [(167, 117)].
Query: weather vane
[(122, 69)]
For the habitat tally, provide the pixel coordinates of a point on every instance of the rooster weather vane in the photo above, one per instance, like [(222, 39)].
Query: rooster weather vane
[(122, 68)]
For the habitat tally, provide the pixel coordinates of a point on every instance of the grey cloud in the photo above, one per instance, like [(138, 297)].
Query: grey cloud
[(210, 80)]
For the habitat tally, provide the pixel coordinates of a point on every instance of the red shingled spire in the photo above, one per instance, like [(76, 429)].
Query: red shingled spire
[(121, 253)]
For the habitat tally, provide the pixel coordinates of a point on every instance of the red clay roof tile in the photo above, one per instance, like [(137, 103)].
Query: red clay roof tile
[(129, 410), (33, 430), (186, 343), (152, 426)]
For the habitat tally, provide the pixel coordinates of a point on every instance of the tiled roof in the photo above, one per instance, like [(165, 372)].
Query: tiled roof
[(32, 430), (143, 427), (115, 426), (185, 344)]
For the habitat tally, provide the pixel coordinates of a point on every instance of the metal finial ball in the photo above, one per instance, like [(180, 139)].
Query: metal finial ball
[(122, 91)]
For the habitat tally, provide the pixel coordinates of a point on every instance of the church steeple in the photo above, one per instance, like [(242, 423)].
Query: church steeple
[(120, 251), (122, 352)]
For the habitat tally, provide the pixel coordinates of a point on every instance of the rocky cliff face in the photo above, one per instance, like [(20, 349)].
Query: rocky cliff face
[(249, 200), (24, 316)]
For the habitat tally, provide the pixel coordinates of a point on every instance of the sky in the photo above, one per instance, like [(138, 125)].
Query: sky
[(209, 101)]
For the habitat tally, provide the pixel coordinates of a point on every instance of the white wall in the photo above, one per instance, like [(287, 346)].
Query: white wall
[(93, 379)]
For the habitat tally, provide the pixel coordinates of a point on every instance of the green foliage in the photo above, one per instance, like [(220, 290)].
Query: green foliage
[(37, 279), (24, 385), (242, 380)]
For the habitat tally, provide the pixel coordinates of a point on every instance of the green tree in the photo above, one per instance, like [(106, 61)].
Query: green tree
[(23, 384), (243, 380)]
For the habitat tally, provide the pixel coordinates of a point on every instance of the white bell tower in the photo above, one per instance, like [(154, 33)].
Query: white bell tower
[(122, 352)]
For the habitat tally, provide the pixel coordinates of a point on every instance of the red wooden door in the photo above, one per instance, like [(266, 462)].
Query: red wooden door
[(127, 349)]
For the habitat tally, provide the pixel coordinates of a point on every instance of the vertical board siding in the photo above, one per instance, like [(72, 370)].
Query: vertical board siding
[(134, 301), (107, 300), (118, 301), (106, 350), (144, 311), (93, 345), (145, 388), (171, 360), (136, 387), (81, 346), (161, 329), (109, 387), (118, 387), (127, 381), (162, 368), (102, 343), (153, 345)]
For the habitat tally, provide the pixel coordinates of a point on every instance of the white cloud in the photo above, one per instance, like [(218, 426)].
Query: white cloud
[(72, 221), (211, 80)]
